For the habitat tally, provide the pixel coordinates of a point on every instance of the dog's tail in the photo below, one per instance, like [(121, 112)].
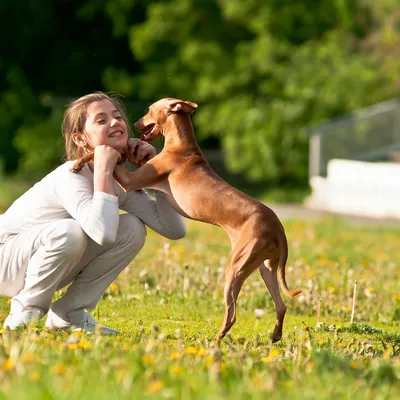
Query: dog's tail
[(282, 266)]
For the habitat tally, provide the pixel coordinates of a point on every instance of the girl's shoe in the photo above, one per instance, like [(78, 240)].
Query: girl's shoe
[(89, 325), (22, 318)]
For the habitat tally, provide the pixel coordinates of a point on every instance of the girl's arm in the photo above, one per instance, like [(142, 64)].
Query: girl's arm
[(105, 159), (157, 214), (96, 211)]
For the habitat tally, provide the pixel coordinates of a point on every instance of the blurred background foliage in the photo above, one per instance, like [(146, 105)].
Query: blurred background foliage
[(262, 71)]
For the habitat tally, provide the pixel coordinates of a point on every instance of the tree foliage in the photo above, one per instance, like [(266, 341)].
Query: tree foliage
[(261, 71), (49, 51)]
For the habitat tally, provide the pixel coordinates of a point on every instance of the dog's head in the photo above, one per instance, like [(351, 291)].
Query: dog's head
[(152, 124)]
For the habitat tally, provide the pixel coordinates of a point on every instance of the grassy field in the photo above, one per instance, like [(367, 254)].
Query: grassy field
[(168, 304)]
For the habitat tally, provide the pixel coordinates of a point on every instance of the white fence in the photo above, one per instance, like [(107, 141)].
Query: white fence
[(346, 169), (370, 134), (358, 188)]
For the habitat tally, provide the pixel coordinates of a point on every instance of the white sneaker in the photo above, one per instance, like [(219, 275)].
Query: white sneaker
[(90, 325), (22, 318)]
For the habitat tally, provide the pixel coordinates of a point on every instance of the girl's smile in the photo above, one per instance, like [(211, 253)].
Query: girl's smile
[(105, 125)]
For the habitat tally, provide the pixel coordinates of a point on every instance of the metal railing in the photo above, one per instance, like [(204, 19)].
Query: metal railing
[(371, 134)]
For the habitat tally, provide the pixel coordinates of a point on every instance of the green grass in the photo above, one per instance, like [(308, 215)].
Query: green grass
[(168, 304)]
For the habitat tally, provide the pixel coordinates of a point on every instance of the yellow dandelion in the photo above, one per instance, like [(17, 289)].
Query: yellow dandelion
[(34, 376), (191, 350), (268, 359), (177, 249), (338, 326), (1, 331), (59, 369), (331, 289), (78, 334), (176, 370), (35, 338), (174, 356), (114, 288), (369, 292), (9, 365), (148, 359), (177, 252), (340, 345), (85, 345), (73, 346), (325, 261), (27, 358), (209, 359), (155, 387), (201, 352), (310, 273), (320, 342), (274, 353)]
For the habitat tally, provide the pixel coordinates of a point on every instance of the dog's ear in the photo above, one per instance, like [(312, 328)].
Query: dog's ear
[(186, 106)]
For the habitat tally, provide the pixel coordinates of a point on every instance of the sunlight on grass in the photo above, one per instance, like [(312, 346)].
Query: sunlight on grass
[(168, 304)]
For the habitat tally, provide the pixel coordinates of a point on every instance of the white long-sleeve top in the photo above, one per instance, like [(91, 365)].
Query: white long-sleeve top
[(64, 194)]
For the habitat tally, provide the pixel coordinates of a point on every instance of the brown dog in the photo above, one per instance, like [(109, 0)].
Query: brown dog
[(180, 170)]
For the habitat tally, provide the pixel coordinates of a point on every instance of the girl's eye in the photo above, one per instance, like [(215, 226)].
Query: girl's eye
[(119, 118), (101, 121)]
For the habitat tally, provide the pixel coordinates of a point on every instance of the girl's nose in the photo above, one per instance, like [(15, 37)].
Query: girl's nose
[(114, 122)]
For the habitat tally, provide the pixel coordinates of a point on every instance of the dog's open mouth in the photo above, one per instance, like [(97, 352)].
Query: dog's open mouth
[(149, 129)]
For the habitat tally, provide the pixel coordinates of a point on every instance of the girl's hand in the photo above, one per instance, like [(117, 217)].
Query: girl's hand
[(105, 158), (138, 152)]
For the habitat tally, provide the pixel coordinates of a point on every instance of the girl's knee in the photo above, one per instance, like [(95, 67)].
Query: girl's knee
[(70, 238), (131, 232)]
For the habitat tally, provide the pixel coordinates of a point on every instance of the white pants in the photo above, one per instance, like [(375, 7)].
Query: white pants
[(39, 261)]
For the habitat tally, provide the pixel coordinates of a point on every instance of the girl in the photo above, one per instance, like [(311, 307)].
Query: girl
[(67, 230)]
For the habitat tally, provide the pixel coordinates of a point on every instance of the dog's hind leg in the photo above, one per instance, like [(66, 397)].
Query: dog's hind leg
[(268, 272), (233, 283), (245, 259)]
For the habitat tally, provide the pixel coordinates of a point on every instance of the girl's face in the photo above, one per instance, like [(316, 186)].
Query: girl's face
[(105, 125)]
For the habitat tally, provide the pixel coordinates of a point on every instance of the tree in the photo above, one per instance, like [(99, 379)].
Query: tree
[(49, 51), (261, 71)]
